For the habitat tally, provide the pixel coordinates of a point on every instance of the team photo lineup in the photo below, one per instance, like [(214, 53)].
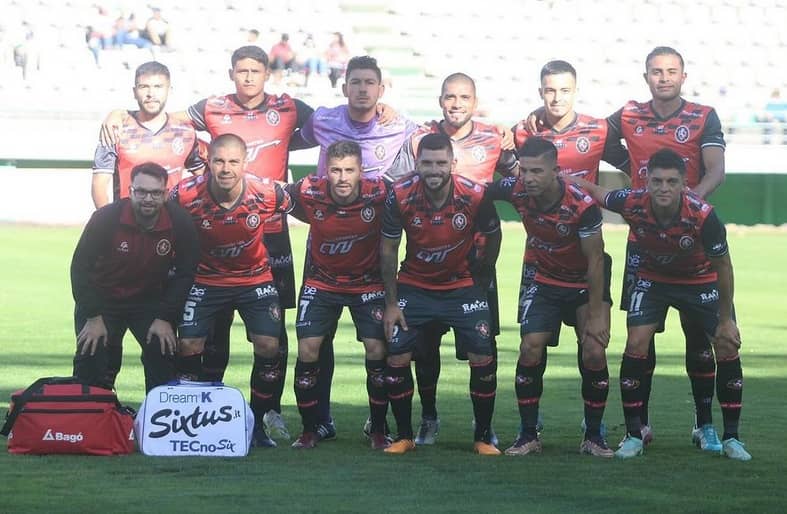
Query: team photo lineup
[(192, 226)]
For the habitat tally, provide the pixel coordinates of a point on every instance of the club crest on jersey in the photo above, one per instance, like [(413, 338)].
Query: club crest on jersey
[(583, 145), (226, 119), (686, 243), (163, 247), (275, 312), (177, 146), (682, 134), (123, 247), (562, 229), (379, 152), (319, 215), (482, 327), (479, 153), (459, 221), (639, 130), (253, 220), (377, 313), (367, 214), (273, 118)]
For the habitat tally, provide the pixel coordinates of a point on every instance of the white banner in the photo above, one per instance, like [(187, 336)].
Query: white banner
[(194, 418)]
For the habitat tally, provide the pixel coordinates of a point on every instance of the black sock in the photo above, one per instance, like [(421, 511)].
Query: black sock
[(266, 379), (399, 386), (647, 381), (427, 373), (306, 385), (378, 398), (483, 387), (595, 389), (326, 361), (217, 348), (283, 354), (632, 371), (529, 385), (701, 368), (729, 388), (189, 367)]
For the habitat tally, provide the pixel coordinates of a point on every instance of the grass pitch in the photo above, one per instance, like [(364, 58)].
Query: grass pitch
[(36, 334)]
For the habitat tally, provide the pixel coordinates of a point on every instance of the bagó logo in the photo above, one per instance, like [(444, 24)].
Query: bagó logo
[(51, 435)]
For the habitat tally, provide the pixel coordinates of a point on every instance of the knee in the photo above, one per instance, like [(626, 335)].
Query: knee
[(188, 347), (265, 346)]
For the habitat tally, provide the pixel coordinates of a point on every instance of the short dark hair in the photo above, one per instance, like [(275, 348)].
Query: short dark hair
[(254, 31), (150, 68), (666, 159), (435, 142), (457, 77), (342, 149), (663, 50), (536, 147), (363, 62), (249, 52), (556, 67), (151, 169), (226, 140)]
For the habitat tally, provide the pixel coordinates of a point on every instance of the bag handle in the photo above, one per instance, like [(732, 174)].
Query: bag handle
[(35, 387)]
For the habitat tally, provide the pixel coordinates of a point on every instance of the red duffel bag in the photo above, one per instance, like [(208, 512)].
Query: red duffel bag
[(63, 415)]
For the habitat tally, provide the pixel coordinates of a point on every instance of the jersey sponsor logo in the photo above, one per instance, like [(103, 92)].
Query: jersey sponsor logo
[(230, 251), (273, 118), (123, 247), (280, 261), (437, 220), (250, 115), (416, 222), (639, 130), (319, 215), (643, 284), (583, 144), (479, 153), (686, 242), (253, 220), (478, 305), (309, 290), (682, 134), (379, 152), (436, 255), (375, 295), (264, 292), (51, 435), (459, 221), (163, 247), (482, 327), (402, 303), (562, 229), (229, 220), (340, 247), (712, 296), (367, 214), (254, 148)]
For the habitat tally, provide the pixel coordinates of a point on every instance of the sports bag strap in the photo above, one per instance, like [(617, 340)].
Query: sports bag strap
[(25, 396)]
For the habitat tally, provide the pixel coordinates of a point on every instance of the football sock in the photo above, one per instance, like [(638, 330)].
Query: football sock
[(729, 388), (217, 347), (266, 379), (529, 385), (283, 354), (378, 398), (189, 367), (632, 371), (427, 373), (701, 368), (399, 386), (326, 361), (595, 389), (483, 387), (646, 384), (307, 379)]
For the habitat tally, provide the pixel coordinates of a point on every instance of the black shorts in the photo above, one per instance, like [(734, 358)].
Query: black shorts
[(466, 310), (650, 300), (258, 306), (280, 258), (546, 307), (318, 312)]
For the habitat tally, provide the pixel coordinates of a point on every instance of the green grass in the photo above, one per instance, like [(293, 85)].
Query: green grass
[(345, 476)]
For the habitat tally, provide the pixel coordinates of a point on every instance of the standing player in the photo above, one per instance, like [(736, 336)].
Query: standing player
[(479, 153), (119, 279), (564, 241), (344, 212), (229, 208), (440, 212), (146, 135), (685, 263)]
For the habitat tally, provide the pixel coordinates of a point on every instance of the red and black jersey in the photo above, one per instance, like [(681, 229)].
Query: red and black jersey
[(581, 146), (174, 147), (439, 240), (117, 261), (478, 154), (231, 248), (686, 131), (266, 129), (344, 240), (553, 235), (676, 253)]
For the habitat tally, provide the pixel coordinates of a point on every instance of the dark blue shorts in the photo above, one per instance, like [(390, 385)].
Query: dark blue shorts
[(545, 307), (258, 306), (649, 301), (466, 310), (318, 312)]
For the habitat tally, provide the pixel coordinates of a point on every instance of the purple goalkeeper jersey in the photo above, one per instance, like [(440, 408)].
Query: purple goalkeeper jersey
[(379, 144)]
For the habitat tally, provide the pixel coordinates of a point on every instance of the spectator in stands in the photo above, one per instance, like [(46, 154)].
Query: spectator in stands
[(99, 33), (252, 36), (337, 56), (282, 57), (26, 50), (127, 33), (157, 29), (776, 108), (310, 60)]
